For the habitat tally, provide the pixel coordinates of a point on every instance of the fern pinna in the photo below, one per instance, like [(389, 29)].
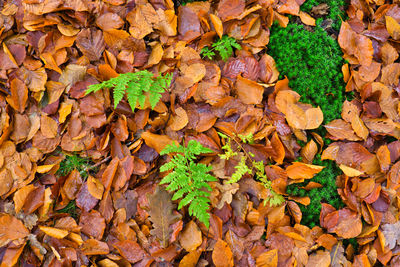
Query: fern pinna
[(188, 179), (135, 86)]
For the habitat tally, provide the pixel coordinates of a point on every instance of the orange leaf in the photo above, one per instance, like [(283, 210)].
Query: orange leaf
[(156, 141), (95, 187), (54, 232), (94, 247), (11, 229), (393, 27), (217, 25), (222, 255), (19, 95), (190, 238), (268, 259), (307, 19), (179, 120), (300, 170), (249, 92)]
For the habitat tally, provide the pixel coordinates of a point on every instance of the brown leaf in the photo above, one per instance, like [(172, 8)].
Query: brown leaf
[(249, 92), (355, 44), (94, 247), (190, 238), (349, 224), (109, 173), (161, 215), (130, 250), (92, 224), (327, 241), (91, 43), (341, 130), (11, 229), (300, 170), (156, 55), (109, 21), (320, 259), (190, 259), (222, 254)]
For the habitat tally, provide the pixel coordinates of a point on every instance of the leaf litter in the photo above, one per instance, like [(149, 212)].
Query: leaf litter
[(113, 212)]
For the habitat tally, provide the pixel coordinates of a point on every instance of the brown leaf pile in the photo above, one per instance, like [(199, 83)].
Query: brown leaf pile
[(52, 50)]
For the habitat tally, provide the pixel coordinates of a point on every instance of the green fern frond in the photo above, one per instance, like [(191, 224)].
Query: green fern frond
[(224, 46), (188, 179), (134, 85)]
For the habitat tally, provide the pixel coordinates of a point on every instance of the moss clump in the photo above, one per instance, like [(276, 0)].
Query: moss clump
[(327, 194), (336, 10), (312, 62), (72, 162)]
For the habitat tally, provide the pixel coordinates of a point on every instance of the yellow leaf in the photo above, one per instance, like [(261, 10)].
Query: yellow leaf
[(44, 168), (54, 232), (393, 27), (21, 195), (351, 172), (64, 111), (307, 19)]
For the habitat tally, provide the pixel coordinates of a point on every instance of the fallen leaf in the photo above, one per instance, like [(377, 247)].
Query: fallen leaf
[(157, 142), (161, 215), (190, 238), (393, 27), (222, 254), (300, 170), (217, 25), (11, 229), (268, 259), (320, 259), (130, 250), (351, 172), (53, 232), (249, 92), (306, 19)]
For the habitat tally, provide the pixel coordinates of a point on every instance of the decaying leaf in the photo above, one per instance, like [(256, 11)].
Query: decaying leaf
[(161, 214)]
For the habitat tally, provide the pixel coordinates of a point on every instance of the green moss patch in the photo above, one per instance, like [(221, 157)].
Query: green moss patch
[(312, 62)]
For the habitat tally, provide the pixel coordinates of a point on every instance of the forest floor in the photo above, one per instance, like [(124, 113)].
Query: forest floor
[(214, 133)]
